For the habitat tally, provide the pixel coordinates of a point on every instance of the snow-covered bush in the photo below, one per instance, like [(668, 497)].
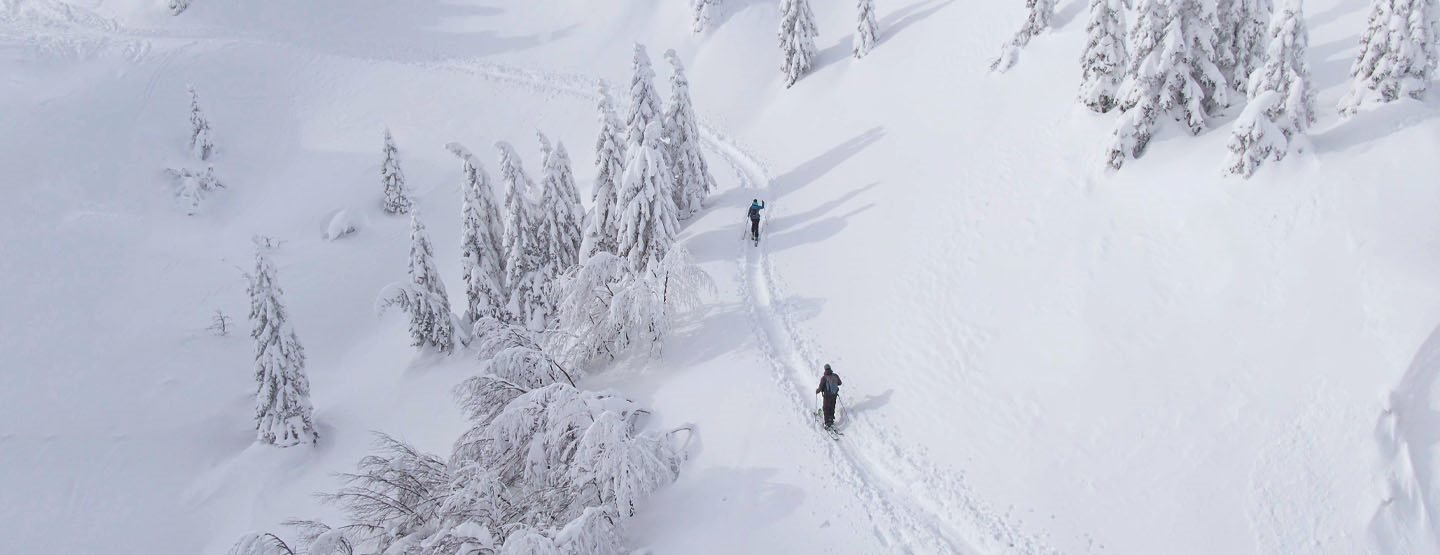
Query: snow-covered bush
[(343, 223), (397, 198), (1103, 62), (693, 181), (600, 230), (423, 297), (797, 39), (1399, 51), (202, 145), (1037, 20), (867, 32), (191, 187), (282, 391), (480, 242)]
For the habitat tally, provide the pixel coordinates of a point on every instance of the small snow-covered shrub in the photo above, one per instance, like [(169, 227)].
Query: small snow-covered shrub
[(342, 223), (191, 187)]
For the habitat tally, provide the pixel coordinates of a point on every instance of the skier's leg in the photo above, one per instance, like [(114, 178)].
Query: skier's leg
[(829, 410)]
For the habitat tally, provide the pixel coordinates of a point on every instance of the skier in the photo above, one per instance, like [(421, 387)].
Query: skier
[(830, 389), (755, 207)]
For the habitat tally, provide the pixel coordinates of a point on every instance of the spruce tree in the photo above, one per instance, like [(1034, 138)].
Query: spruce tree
[(431, 322), (867, 31), (682, 133), (1241, 38), (202, 145), (645, 106), (646, 221), (1398, 53), (480, 242), (797, 39), (600, 231), (1172, 72), (397, 199), (1103, 62), (1283, 99), (521, 241), (283, 415), (701, 11), (560, 213), (1037, 20)]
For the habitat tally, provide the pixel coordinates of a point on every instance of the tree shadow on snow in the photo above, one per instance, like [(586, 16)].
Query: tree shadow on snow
[(819, 166), (890, 25), (1373, 124)]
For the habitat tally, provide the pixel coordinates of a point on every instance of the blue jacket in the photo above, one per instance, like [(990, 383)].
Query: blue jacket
[(755, 209)]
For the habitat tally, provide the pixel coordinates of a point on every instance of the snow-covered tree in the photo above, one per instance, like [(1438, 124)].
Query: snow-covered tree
[(202, 145), (561, 214), (797, 39), (1283, 104), (178, 6), (432, 324), (192, 187), (646, 221), (1240, 38), (600, 231), (1172, 72), (283, 415), (645, 107), (867, 32), (682, 133), (397, 198), (1398, 53), (1103, 62), (702, 11), (481, 230), (1037, 20), (524, 280)]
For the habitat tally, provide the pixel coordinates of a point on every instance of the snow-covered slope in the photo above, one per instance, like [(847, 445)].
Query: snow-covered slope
[(1038, 356)]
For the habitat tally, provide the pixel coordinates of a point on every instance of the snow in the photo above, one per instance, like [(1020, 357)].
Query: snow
[(1039, 355)]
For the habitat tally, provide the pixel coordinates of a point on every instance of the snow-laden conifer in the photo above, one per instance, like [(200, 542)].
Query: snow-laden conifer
[(867, 31), (701, 13), (646, 221), (1038, 14), (797, 39), (481, 229), (178, 6), (1172, 72), (283, 415), (202, 145), (682, 133), (524, 280), (1240, 38), (423, 296), (1283, 104), (564, 215), (600, 231), (397, 198), (645, 107), (191, 187), (1398, 53), (1103, 63)]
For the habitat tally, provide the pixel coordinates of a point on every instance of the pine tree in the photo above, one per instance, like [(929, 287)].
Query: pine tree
[(1398, 53), (1241, 38), (646, 220), (1103, 62), (682, 133), (600, 230), (480, 242), (431, 323), (702, 11), (560, 213), (797, 39), (283, 415), (397, 199), (645, 106), (178, 6), (866, 31), (201, 143), (1283, 104), (521, 241), (1037, 20), (1172, 72)]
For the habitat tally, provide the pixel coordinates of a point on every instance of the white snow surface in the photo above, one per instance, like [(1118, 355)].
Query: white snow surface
[(1039, 356)]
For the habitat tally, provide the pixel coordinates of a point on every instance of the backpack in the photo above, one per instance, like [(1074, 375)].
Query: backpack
[(829, 386), (754, 212)]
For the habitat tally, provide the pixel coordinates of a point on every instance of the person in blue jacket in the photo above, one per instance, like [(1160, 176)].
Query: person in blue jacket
[(755, 207)]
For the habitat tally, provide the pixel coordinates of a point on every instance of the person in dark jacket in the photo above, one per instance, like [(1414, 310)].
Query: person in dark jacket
[(829, 390), (755, 207)]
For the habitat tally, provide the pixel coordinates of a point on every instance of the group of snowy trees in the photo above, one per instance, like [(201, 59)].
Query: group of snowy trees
[(191, 186), (1191, 59)]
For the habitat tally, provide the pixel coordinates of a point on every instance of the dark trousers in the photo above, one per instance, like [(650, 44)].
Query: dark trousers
[(755, 228), (830, 408)]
